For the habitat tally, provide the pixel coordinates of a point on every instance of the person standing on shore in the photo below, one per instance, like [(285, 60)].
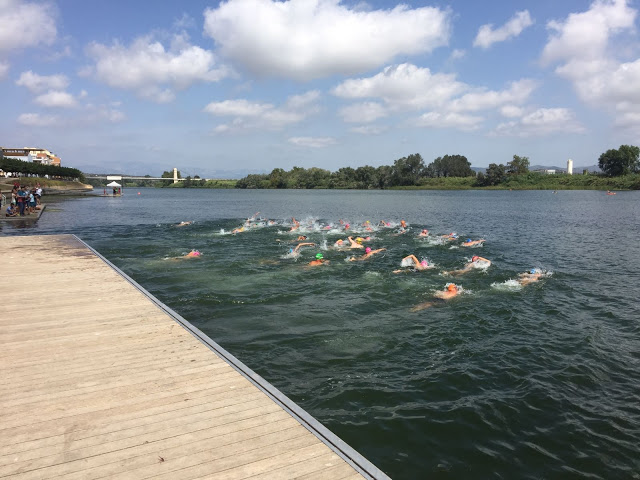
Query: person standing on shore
[(21, 199)]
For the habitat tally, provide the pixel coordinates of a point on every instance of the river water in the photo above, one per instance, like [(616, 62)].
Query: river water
[(503, 381)]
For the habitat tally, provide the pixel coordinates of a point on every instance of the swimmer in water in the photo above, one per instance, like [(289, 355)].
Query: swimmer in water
[(470, 243), (297, 248), (238, 230), (476, 262), (192, 254), (318, 261), (182, 224), (403, 224), (451, 236), (417, 265), (531, 276), (424, 233), (367, 254), (296, 224), (357, 243), (450, 291), (339, 243)]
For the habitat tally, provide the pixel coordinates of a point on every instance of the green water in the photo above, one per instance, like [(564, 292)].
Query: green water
[(502, 381)]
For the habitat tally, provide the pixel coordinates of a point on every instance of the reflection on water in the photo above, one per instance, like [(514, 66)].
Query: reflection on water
[(503, 381)]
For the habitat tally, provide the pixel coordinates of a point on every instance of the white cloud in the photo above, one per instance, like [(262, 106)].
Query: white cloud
[(512, 111), (252, 115), (38, 120), (585, 35), (541, 122), (150, 70), (39, 83), (18, 17), (313, 142), (363, 112), (102, 113), (518, 92), (4, 69), (56, 98), (457, 54), (308, 39), (404, 86), (407, 87), (449, 120), (369, 130), (580, 45), (487, 36)]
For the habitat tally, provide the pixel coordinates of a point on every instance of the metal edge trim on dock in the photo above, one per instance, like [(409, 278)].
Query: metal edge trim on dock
[(342, 449)]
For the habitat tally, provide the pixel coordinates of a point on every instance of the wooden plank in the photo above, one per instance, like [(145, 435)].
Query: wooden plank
[(102, 383)]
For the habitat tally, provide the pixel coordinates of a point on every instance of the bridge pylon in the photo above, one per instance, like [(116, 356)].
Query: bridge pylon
[(175, 175)]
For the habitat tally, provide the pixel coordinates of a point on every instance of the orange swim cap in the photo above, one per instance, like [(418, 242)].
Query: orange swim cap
[(452, 287)]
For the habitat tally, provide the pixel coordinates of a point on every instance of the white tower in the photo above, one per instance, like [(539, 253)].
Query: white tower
[(569, 167), (175, 175)]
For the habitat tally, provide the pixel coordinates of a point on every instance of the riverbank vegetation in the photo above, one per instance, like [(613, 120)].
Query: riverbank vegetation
[(20, 168), (453, 172)]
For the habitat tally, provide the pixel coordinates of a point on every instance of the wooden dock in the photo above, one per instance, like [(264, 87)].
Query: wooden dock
[(98, 379)]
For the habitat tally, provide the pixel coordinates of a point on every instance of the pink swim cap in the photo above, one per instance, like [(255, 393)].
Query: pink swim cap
[(424, 263), (368, 249)]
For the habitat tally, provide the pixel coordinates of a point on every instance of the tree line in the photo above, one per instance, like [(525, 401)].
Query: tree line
[(411, 171), (405, 171), (22, 168)]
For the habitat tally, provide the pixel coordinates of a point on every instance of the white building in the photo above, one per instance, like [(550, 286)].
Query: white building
[(569, 167)]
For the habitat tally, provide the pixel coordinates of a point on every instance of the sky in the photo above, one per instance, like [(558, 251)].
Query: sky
[(224, 89)]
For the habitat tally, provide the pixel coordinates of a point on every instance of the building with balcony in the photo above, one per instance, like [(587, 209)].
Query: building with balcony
[(31, 154)]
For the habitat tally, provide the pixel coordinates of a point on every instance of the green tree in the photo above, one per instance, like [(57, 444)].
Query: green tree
[(621, 161), (518, 166), (366, 177), (494, 175), (408, 170), (450, 166), (278, 178)]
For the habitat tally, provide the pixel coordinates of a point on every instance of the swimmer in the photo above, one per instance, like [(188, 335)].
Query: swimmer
[(470, 243), (357, 243), (382, 223), (531, 276), (424, 233), (182, 224), (476, 262), (192, 254), (403, 224), (367, 254), (449, 237), (318, 261), (301, 238), (238, 230), (296, 250), (339, 243), (450, 291), (296, 224), (417, 265)]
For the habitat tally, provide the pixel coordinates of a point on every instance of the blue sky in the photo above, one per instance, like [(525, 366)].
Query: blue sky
[(225, 89)]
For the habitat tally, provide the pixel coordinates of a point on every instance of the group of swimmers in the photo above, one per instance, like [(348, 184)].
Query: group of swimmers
[(353, 242)]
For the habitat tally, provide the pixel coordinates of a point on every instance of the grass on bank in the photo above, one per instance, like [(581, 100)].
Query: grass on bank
[(534, 181), (6, 184)]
